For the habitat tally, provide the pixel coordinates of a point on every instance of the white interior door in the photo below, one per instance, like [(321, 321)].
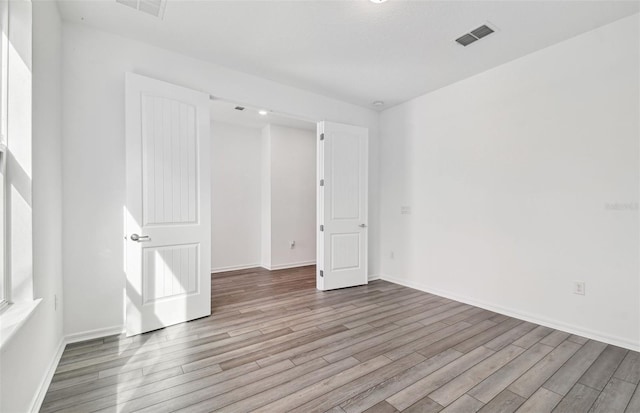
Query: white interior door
[(167, 219), (342, 206)]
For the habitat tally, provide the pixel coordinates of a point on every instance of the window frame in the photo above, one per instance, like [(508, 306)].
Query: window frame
[(5, 279)]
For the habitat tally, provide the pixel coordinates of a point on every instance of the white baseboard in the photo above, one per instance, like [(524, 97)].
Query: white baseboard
[(290, 265), (234, 268), (92, 334), (46, 379), (533, 318), (373, 277), (71, 338)]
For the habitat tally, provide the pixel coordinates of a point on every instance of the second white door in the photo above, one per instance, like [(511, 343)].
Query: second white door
[(342, 206)]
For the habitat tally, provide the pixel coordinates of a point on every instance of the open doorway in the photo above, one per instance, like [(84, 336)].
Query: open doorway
[(276, 196), (263, 187)]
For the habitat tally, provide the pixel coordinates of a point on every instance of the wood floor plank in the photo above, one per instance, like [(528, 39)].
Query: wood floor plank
[(530, 381), (277, 392), (533, 337), (304, 348), (389, 345), (614, 398), (309, 393), (117, 388), (542, 401), (332, 398), (343, 343), (634, 404), (451, 391), (505, 402), (408, 306), (431, 347), (431, 312), (599, 373), (510, 336), (465, 404), (502, 378), (389, 387), (205, 378), (128, 363), (629, 369), (424, 405), (569, 374), (275, 343), (374, 341), (423, 387), (437, 337), (206, 359), (382, 407), (555, 338), (275, 349), (578, 339), (472, 312), (203, 399), (392, 318), (579, 399), (487, 335)]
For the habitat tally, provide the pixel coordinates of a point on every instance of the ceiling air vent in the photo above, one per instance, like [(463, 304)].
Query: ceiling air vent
[(152, 7), (466, 40), (475, 35), (482, 31), (239, 108)]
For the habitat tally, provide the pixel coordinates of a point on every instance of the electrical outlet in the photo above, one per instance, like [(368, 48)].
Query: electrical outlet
[(392, 255), (405, 210), (579, 287)]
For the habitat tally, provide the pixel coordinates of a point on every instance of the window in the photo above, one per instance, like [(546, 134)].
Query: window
[(4, 49)]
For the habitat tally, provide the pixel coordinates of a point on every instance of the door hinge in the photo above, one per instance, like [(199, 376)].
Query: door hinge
[(321, 227), (322, 182), (322, 136), (321, 273)]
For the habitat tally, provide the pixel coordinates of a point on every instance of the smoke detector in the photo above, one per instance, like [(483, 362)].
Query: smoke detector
[(153, 7)]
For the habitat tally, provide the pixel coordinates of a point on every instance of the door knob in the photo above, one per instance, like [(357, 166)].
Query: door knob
[(140, 238), (362, 225)]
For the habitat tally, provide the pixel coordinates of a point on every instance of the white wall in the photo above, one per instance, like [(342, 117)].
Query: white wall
[(293, 196), (265, 198), (94, 64), (235, 196), (511, 175), (32, 352)]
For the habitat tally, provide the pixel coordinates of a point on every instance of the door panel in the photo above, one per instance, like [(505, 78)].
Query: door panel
[(342, 212), (170, 271), (344, 175), (169, 164), (345, 251), (168, 228)]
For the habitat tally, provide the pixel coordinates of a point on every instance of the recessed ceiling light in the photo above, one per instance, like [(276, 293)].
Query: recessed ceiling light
[(378, 103), (377, 1), (263, 112)]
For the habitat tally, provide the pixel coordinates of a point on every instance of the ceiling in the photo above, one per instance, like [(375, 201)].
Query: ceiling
[(223, 111), (356, 51)]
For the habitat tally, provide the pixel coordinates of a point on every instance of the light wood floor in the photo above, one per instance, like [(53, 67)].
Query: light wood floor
[(276, 344)]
